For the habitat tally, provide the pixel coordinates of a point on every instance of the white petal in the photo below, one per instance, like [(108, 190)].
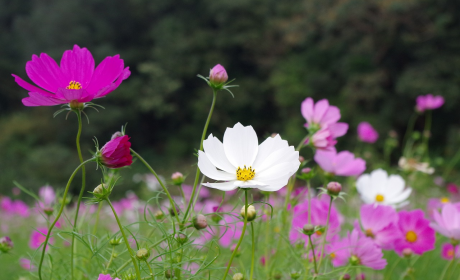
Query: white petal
[(275, 185), (285, 169), (209, 170), (363, 184), (214, 149), (379, 179), (249, 184), (241, 145), (226, 186), (395, 185), (286, 154), (400, 198), (269, 146)]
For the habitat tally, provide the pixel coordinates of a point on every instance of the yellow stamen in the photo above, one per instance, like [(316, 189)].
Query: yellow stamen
[(319, 233), (245, 174), (379, 198), (369, 233), (444, 200), (411, 236), (74, 85), (332, 255), (450, 253)]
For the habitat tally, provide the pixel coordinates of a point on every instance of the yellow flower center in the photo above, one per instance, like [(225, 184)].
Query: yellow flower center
[(245, 174), (74, 85), (319, 233), (444, 200), (379, 198), (450, 253), (332, 255), (411, 236), (369, 233)]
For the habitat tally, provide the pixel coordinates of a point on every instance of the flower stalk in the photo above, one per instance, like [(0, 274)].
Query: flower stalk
[(325, 231)]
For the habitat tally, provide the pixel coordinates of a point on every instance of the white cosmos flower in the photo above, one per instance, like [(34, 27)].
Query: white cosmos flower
[(241, 162), (380, 188)]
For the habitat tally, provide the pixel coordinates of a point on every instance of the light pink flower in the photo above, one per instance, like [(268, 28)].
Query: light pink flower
[(367, 133), (74, 80), (106, 277), (448, 222), (416, 233), (341, 164), (357, 250), (448, 251), (116, 153), (218, 75), (26, 264), (38, 237), (429, 102), (322, 119)]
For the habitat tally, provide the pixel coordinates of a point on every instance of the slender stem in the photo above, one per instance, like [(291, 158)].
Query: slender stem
[(242, 233), (410, 129), (97, 217), (344, 272), (325, 232), (426, 133), (80, 196), (309, 201), (171, 201), (447, 267), (150, 269), (58, 216), (130, 251), (267, 236), (253, 251), (112, 256), (198, 192), (127, 262), (182, 192), (392, 268), (314, 255), (203, 135)]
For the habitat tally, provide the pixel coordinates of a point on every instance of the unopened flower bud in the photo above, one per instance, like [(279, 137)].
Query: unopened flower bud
[(200, 222), (101, 192), (238, 253), (177, 178), (116, 135), (115, 241), (295, 275), (67, 200), (407, 252), (306, 170), (169, 273), (334, 188), (251, 211), (142, 254), (5, 244), (159, 215), (99, 189), (301, 159), (308, 229), (354, 260), (129, 276), (171, 211), (361, 276), (48, 211), (238, 276), (346, 277), (218, 75), (277, 276), (181, 238), (273, 135)]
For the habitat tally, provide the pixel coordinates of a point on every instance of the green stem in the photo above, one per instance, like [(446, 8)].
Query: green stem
[(314, 255), (325, 232), (97, 218), (344, 272), (80, 196), (242, 233), (127, 262), (203, 135), (171, 201), (253, 251), (58, 216), (392, 268), (199, 190), (267, 235), (426, 133), (410, 129), (110, 260), (309, 201), (150, 269), (130, 251), (182, 192), (447, 267)]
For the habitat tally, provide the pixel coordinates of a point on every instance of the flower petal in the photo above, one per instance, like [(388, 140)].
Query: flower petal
[(45, 72), (307, 109), (38, 99), (214, 149), (108, 89), (78, 65), (210, 171), (25, 85), (241, 145), (106, 73), (226, 186), (269, 146)]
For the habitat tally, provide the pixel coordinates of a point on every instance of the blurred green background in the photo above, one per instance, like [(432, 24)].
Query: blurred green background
[(369, 58)]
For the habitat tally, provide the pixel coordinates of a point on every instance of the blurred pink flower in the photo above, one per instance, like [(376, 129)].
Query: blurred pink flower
[(448, 251), (367, 133), (452, 188), (116, 153), (38, 237), (47, 195), (322, 119), (230, 229), (75, 80), (448, 222), (356, 249), (429, 102), (106, 277), (26, 264), (218, 75), (416, 233), (379, 223), (204, 192), (341, 164)]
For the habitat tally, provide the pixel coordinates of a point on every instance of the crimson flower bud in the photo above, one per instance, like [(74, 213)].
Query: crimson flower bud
[(200, 222), (5, 244), (116, 153)]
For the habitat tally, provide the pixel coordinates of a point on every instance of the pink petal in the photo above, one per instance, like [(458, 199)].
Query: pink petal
[(307, 109), (78, 65), (37, 99), (81, 95), (325, 159), (332, 115), (320, 109), (45, 72), (108, 89), (25, 85), (106, 73), (338, 129)]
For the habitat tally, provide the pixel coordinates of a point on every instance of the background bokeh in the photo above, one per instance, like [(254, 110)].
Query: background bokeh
[(369, 58)]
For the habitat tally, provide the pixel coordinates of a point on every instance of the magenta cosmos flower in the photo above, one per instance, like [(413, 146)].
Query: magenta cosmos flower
[(106, 277), (356, 249), (367, 133), (75, 80), (340, 164), (448, 251), (448, 222), (116, 153), (429, 102), (379, 223), (38, 237), (322, 123), (416, 233), (319, 209)]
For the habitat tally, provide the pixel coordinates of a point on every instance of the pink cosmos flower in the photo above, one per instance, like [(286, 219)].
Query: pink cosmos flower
[(340, 164), (448, 222), (47, 197), (319, 209), (416, 233), (26, 264), (357, 250), (20, 208), (367, 133), (75, 80), (231, 229), (448, 251), (429, 102), (38, 237), (218, 75), (379, 223), (106, 277), (452, 188), (116, 153), (322, 119)]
